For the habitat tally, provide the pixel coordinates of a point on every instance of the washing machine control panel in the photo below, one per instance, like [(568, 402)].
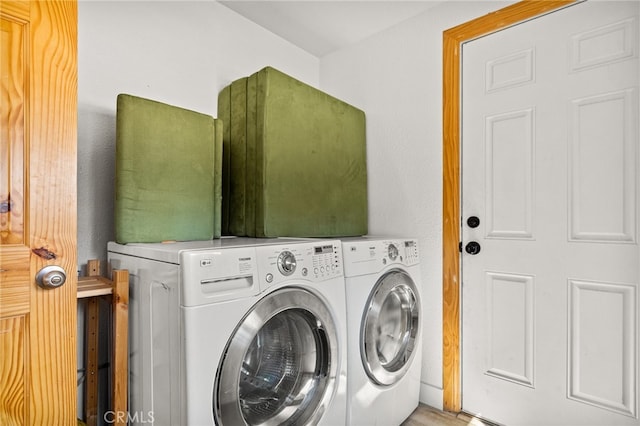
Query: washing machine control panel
[(313, 261)]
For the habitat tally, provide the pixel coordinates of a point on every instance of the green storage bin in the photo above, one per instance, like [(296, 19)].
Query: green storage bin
[(303, 171), (168, 173)]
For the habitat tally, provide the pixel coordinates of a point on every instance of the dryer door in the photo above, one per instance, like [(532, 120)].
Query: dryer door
[(389, 328), (280, 364)]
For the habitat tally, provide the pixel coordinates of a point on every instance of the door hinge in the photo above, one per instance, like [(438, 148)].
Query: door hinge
[(460, 246)]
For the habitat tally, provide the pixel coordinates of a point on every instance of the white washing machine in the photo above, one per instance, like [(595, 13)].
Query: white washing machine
[(382, 279), (236, 331)]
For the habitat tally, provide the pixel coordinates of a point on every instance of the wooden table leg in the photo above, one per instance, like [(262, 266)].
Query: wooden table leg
[(91, 357), (120, 353)]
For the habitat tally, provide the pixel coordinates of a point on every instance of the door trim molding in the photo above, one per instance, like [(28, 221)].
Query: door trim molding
[(453, 39)]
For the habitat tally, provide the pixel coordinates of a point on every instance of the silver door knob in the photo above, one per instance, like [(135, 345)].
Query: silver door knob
[(51, 277)]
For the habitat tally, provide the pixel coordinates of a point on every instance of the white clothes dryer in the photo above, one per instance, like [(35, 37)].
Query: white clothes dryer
[(236, 331), (382, 279)]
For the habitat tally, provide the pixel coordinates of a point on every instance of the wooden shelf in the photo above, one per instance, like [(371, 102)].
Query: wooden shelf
[(116, 290), (94, 286)]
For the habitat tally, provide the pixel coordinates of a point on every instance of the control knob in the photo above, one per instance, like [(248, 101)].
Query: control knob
[(286, 263), (393, 252)]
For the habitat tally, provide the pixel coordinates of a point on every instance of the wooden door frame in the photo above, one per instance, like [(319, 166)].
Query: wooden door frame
[(453, 39)]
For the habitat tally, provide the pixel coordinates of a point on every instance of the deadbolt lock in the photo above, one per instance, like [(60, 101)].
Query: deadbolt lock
[(51, 277)]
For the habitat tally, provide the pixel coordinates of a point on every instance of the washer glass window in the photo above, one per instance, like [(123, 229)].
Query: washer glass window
[(389, 328), (280, 365)]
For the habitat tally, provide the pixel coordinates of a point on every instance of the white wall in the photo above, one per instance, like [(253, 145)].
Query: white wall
[(396, 78), (178, 52)]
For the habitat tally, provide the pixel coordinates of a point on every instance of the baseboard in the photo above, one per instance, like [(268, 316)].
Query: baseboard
[(431, 395)]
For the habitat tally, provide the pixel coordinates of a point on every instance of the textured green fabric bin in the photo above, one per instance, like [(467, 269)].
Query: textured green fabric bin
[(224, 114), (217, 177), (168, 172), (303, 170), (232, 103)]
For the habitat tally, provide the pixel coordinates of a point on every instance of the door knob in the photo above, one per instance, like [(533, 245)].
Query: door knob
[(472, 247), (473, 221), (51, 277)]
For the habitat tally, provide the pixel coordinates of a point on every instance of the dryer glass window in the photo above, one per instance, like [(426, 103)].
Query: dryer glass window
[(394, 328), (389, 328), (280, 365)]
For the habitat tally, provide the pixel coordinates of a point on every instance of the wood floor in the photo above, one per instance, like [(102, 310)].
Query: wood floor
[(425, 415)]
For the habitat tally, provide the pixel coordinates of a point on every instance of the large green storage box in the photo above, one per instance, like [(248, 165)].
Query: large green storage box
[(168, 173), (298, 166)]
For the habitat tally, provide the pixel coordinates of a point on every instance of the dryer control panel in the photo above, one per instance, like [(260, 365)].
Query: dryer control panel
[(312, 261), (370, 256), (411, 252)]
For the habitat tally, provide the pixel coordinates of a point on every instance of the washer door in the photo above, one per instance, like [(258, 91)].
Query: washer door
[(389, 328), (279, 366)]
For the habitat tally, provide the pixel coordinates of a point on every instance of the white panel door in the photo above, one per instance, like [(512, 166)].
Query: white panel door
[(550, 159)]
